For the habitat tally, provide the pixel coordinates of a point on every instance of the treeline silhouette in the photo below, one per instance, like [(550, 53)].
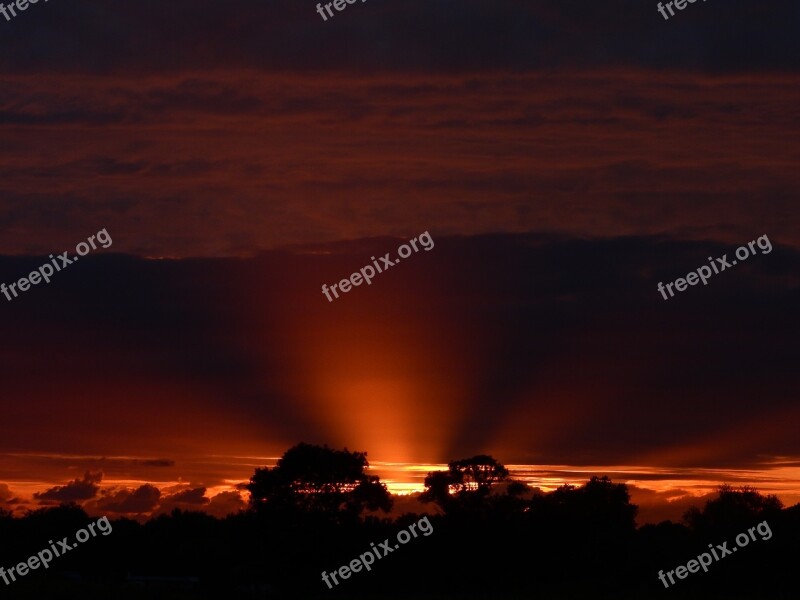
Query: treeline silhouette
[(318, 509)]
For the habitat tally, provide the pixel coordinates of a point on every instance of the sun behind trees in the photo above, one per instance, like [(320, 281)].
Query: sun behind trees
[(319, 480), (312, 512), (496, 529), (467, 486)]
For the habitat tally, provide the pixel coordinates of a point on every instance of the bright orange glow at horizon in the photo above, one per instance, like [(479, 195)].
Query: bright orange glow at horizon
[(650, 487)]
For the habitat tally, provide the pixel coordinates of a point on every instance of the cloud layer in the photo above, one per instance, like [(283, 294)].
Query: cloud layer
[(229, 164)]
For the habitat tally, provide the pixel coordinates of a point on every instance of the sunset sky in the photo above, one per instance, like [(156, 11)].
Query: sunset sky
[(565, 158)]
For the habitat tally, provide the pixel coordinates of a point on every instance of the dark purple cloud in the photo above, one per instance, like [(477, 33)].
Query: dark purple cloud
[(161, 462), (5, 493), (190, 496), (77, 490), (143, 499), (225, 503)]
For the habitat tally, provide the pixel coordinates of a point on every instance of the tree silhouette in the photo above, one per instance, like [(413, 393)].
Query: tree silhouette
[(467, 482), (437, 488), (478, 473), (732, 509), (318, 479), (599, 505), (494, 540)]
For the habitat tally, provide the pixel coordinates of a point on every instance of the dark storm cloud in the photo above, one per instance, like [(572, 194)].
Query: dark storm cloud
[(140, 500), (409, 34), (225, 503), (16, 465), (6, 495), (159, 463), (188, 499), (84, 488), (190, 496)]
